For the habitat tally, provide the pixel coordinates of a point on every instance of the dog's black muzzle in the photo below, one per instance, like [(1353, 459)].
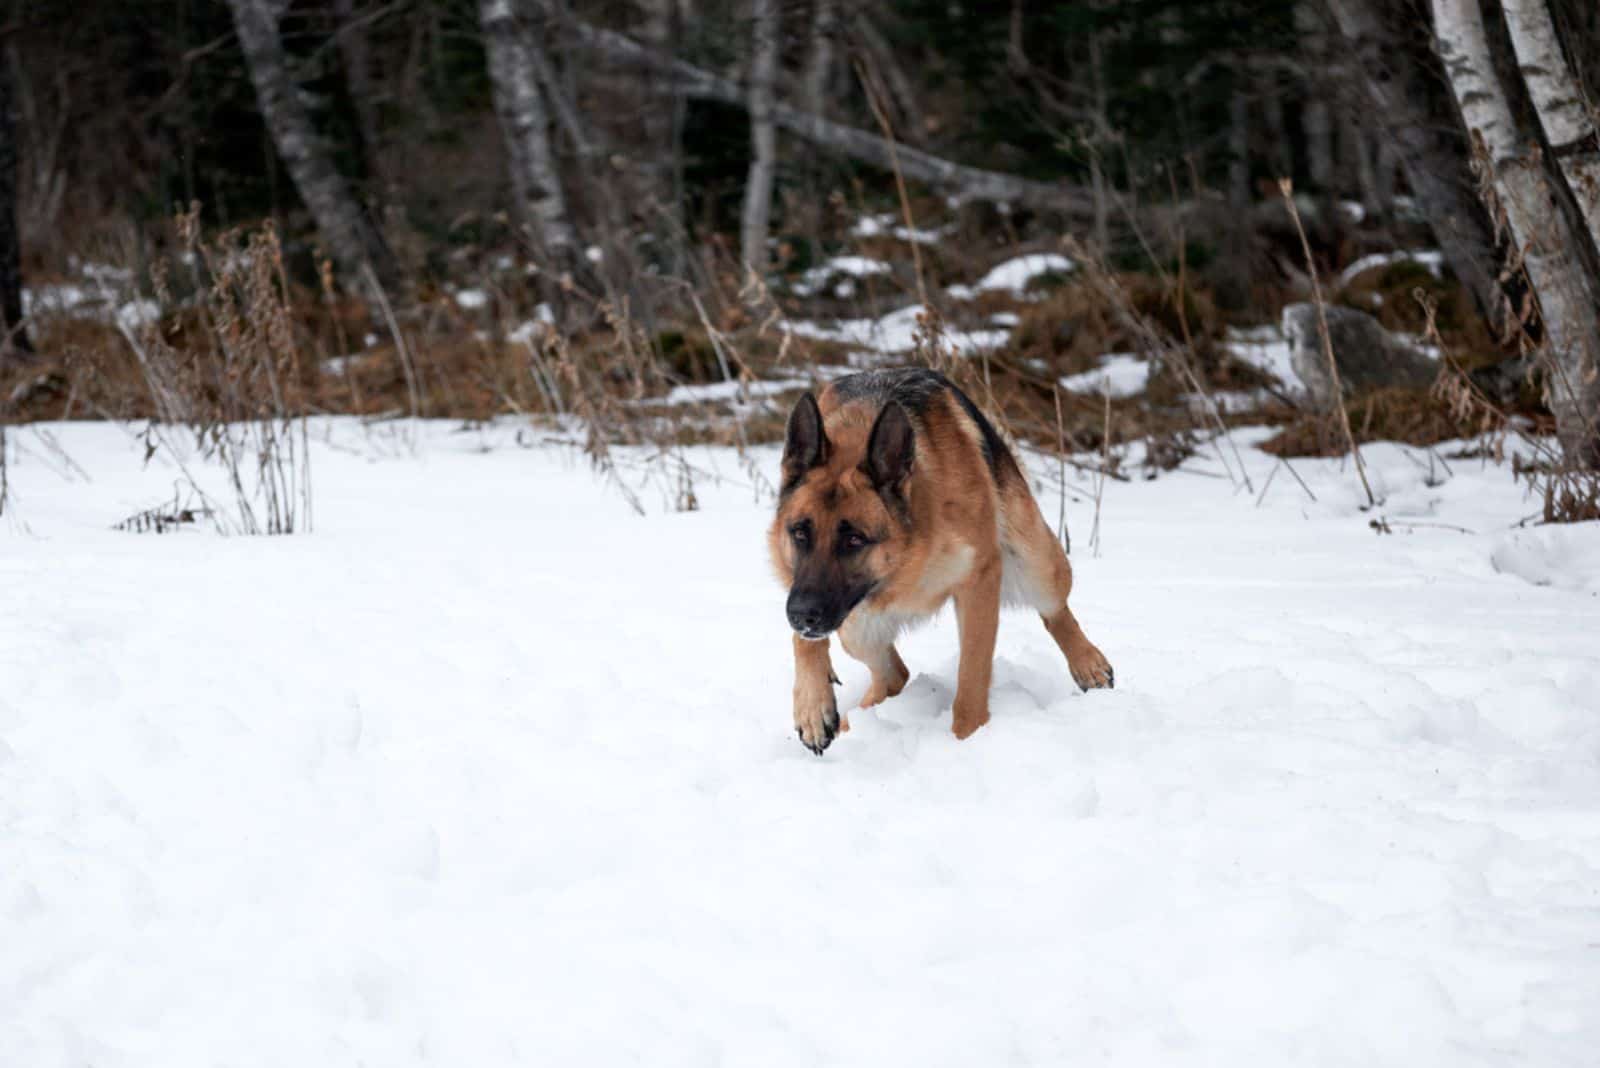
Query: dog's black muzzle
[(814, 614)]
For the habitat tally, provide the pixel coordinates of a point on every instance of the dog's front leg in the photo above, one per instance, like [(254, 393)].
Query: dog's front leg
[(816, 713), (978, 618)]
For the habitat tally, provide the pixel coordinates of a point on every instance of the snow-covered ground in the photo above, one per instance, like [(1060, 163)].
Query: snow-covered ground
[(1120, 374), (489, 770), (896, 333)]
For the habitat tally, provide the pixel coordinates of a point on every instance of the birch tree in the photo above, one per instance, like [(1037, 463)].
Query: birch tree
[(357, 248), (1406, 95), (1543, 232), (1568, 124), (820, 57), (540, 203), (757, 216)]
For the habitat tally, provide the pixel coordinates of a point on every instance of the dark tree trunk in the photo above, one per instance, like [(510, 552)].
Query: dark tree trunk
[(363, 94), (1410, 96), (520, 105), (14, 345), (352, 239)]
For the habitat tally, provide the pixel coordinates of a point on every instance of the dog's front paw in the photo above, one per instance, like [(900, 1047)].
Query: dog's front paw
[(967, 717), (1091, 670), (816, 721)]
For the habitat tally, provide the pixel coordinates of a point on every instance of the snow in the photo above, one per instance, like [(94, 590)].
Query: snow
[(103, 295), (895, 333), (853, 267), (489, 770), (530, 332), (1432, 259), (1015, 274), (729, 391), (472, 299), (887, 224), (1264, 348), (1120, 375), (1353, 210), (1563, 556)]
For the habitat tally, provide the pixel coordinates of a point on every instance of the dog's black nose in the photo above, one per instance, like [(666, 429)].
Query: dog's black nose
[(807, 613)]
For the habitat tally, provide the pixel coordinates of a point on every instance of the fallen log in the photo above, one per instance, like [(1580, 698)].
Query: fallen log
[(971, 183)]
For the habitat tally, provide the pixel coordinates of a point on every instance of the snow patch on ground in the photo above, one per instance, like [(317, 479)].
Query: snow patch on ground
[(1015, 274), (490, 770), (1120, 375), (730, 391), (1264, 348), (814, 279), (1566, 557), (895, 333), (1432, 259), (888, 225)]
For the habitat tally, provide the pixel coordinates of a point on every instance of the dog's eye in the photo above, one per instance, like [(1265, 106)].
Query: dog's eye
[(801, 533), (852, 540)]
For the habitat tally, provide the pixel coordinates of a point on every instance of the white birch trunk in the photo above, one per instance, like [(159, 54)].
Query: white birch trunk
[(1539, 226), (820, 59), (756, 220), (353, 241), (1567, 122), (519, 104)]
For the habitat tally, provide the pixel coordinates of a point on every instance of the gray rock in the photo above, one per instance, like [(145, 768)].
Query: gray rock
[(1367, 355)]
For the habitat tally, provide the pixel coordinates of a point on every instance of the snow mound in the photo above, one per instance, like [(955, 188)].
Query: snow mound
[(888, 225), (730, 391), (1015, 274), (851, 268), (1565, 556), (1120, 375), (1432, 259), (895, 333), (1265, 349)]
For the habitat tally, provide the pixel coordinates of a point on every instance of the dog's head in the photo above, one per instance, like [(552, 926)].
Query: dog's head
[(843, 516)]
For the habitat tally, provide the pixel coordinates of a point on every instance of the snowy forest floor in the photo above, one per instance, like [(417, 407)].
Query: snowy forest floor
[(488, 769)]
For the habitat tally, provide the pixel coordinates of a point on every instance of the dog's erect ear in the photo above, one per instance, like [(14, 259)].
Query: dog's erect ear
[(804, 445), (890, 449)]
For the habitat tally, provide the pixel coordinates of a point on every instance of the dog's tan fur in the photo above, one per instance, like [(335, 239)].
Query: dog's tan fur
[(960, 526)]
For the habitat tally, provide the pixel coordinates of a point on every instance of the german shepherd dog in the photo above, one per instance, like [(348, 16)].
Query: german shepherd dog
[(898, 495)]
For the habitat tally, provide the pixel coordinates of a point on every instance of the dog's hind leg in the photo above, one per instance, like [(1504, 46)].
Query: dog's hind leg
[(1042, 576), (866, 642)]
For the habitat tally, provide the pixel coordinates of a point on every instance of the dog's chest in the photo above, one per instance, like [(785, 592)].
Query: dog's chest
[(946, 570)]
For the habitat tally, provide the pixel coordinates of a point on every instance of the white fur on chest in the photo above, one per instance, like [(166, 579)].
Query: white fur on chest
[(946, 571), (869, 629)]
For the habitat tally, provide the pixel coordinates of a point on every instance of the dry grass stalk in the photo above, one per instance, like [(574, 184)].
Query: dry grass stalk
[(239, 391), (1568, 494), (1286, 189)]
